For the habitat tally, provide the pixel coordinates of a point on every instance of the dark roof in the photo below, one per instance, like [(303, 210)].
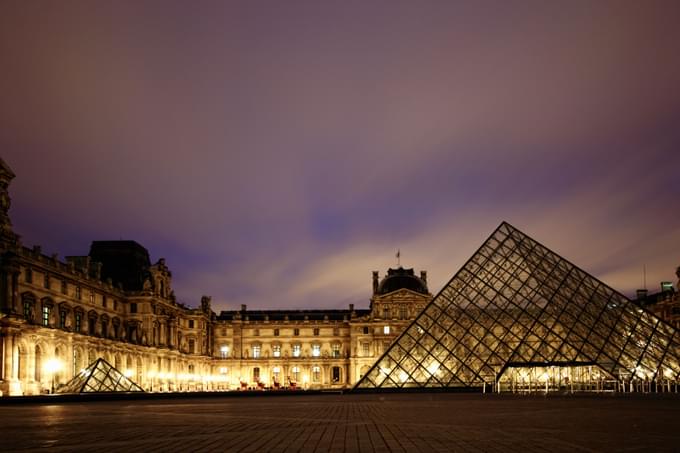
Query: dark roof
[(125, 262), (401, 278), (293, 315)]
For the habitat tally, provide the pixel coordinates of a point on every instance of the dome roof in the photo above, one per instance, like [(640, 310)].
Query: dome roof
[(401, 279)]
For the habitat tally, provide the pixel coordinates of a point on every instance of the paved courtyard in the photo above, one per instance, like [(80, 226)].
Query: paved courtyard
[(367, 422)]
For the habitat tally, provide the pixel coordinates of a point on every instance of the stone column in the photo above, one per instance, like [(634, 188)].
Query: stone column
[(8, 357)]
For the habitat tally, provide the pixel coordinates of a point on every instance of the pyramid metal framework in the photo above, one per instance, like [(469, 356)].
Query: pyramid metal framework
[(100, 376), (517, 305)]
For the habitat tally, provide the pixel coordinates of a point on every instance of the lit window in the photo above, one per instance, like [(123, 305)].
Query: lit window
[(62, 319), (256, 351), (295, 374), (46, 315), (296, 350), (386, 330), (316, 331), (276, 350), (316, 350), (316, 374), (78, 320), (224, 370), (336, 351), (224, 351)]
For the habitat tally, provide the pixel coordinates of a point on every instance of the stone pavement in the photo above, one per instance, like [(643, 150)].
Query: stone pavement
[(363, 422)]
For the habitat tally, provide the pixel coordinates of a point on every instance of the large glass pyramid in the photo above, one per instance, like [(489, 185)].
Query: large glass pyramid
[(100, 376), (517, 311)]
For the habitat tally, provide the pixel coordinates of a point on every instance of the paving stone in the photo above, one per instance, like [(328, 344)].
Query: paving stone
[(362, 423)]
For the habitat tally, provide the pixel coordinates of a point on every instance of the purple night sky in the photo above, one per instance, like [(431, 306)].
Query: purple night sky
[(275, 153)]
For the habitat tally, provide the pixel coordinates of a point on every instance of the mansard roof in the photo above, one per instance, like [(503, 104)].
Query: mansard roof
[(291, 315)]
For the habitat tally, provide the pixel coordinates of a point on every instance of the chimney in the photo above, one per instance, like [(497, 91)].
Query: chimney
[(423, 276), (375, 282)]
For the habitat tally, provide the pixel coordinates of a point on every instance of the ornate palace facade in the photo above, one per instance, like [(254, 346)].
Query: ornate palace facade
[(58, 316)]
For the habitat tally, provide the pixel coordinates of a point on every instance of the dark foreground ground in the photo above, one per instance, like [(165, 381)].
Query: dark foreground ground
[(368, 422)]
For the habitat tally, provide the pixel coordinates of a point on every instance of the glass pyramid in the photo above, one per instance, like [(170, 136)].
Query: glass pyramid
[(517, 311), (100, 376)]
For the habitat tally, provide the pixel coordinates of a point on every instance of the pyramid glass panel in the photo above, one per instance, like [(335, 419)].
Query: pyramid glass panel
[(518, 314), (99, 377)]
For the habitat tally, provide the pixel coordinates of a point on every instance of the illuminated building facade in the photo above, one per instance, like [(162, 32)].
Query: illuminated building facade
[(517, 316), (59, 317)]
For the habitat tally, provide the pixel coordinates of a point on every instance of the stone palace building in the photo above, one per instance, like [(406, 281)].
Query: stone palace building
[(58, 316)]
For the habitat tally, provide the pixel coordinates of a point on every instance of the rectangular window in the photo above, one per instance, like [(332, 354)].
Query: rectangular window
[(46, 315), (79, 292), (365, 330), (365, 347), (92, 297), (276, 332), (336, 351), (224, 351), (256, 351), (191, 323), (78, 319), (296, 332), (335, 374), (27, 310), (29, 275), (105, 326), (64, 287), (276, 350), (62, 319), (386, 330), (192, 346), (316, 350), (256, 332), (115, 305), (316, 374), (316, 331), (295, 374), (104, 301), (46, 280), (402, 313), (256, 374), (296, 350), (336, 332), (133, 308)]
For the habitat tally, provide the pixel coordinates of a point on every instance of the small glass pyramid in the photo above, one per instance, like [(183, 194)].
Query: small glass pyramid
[(518, 311), (100, 376)]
